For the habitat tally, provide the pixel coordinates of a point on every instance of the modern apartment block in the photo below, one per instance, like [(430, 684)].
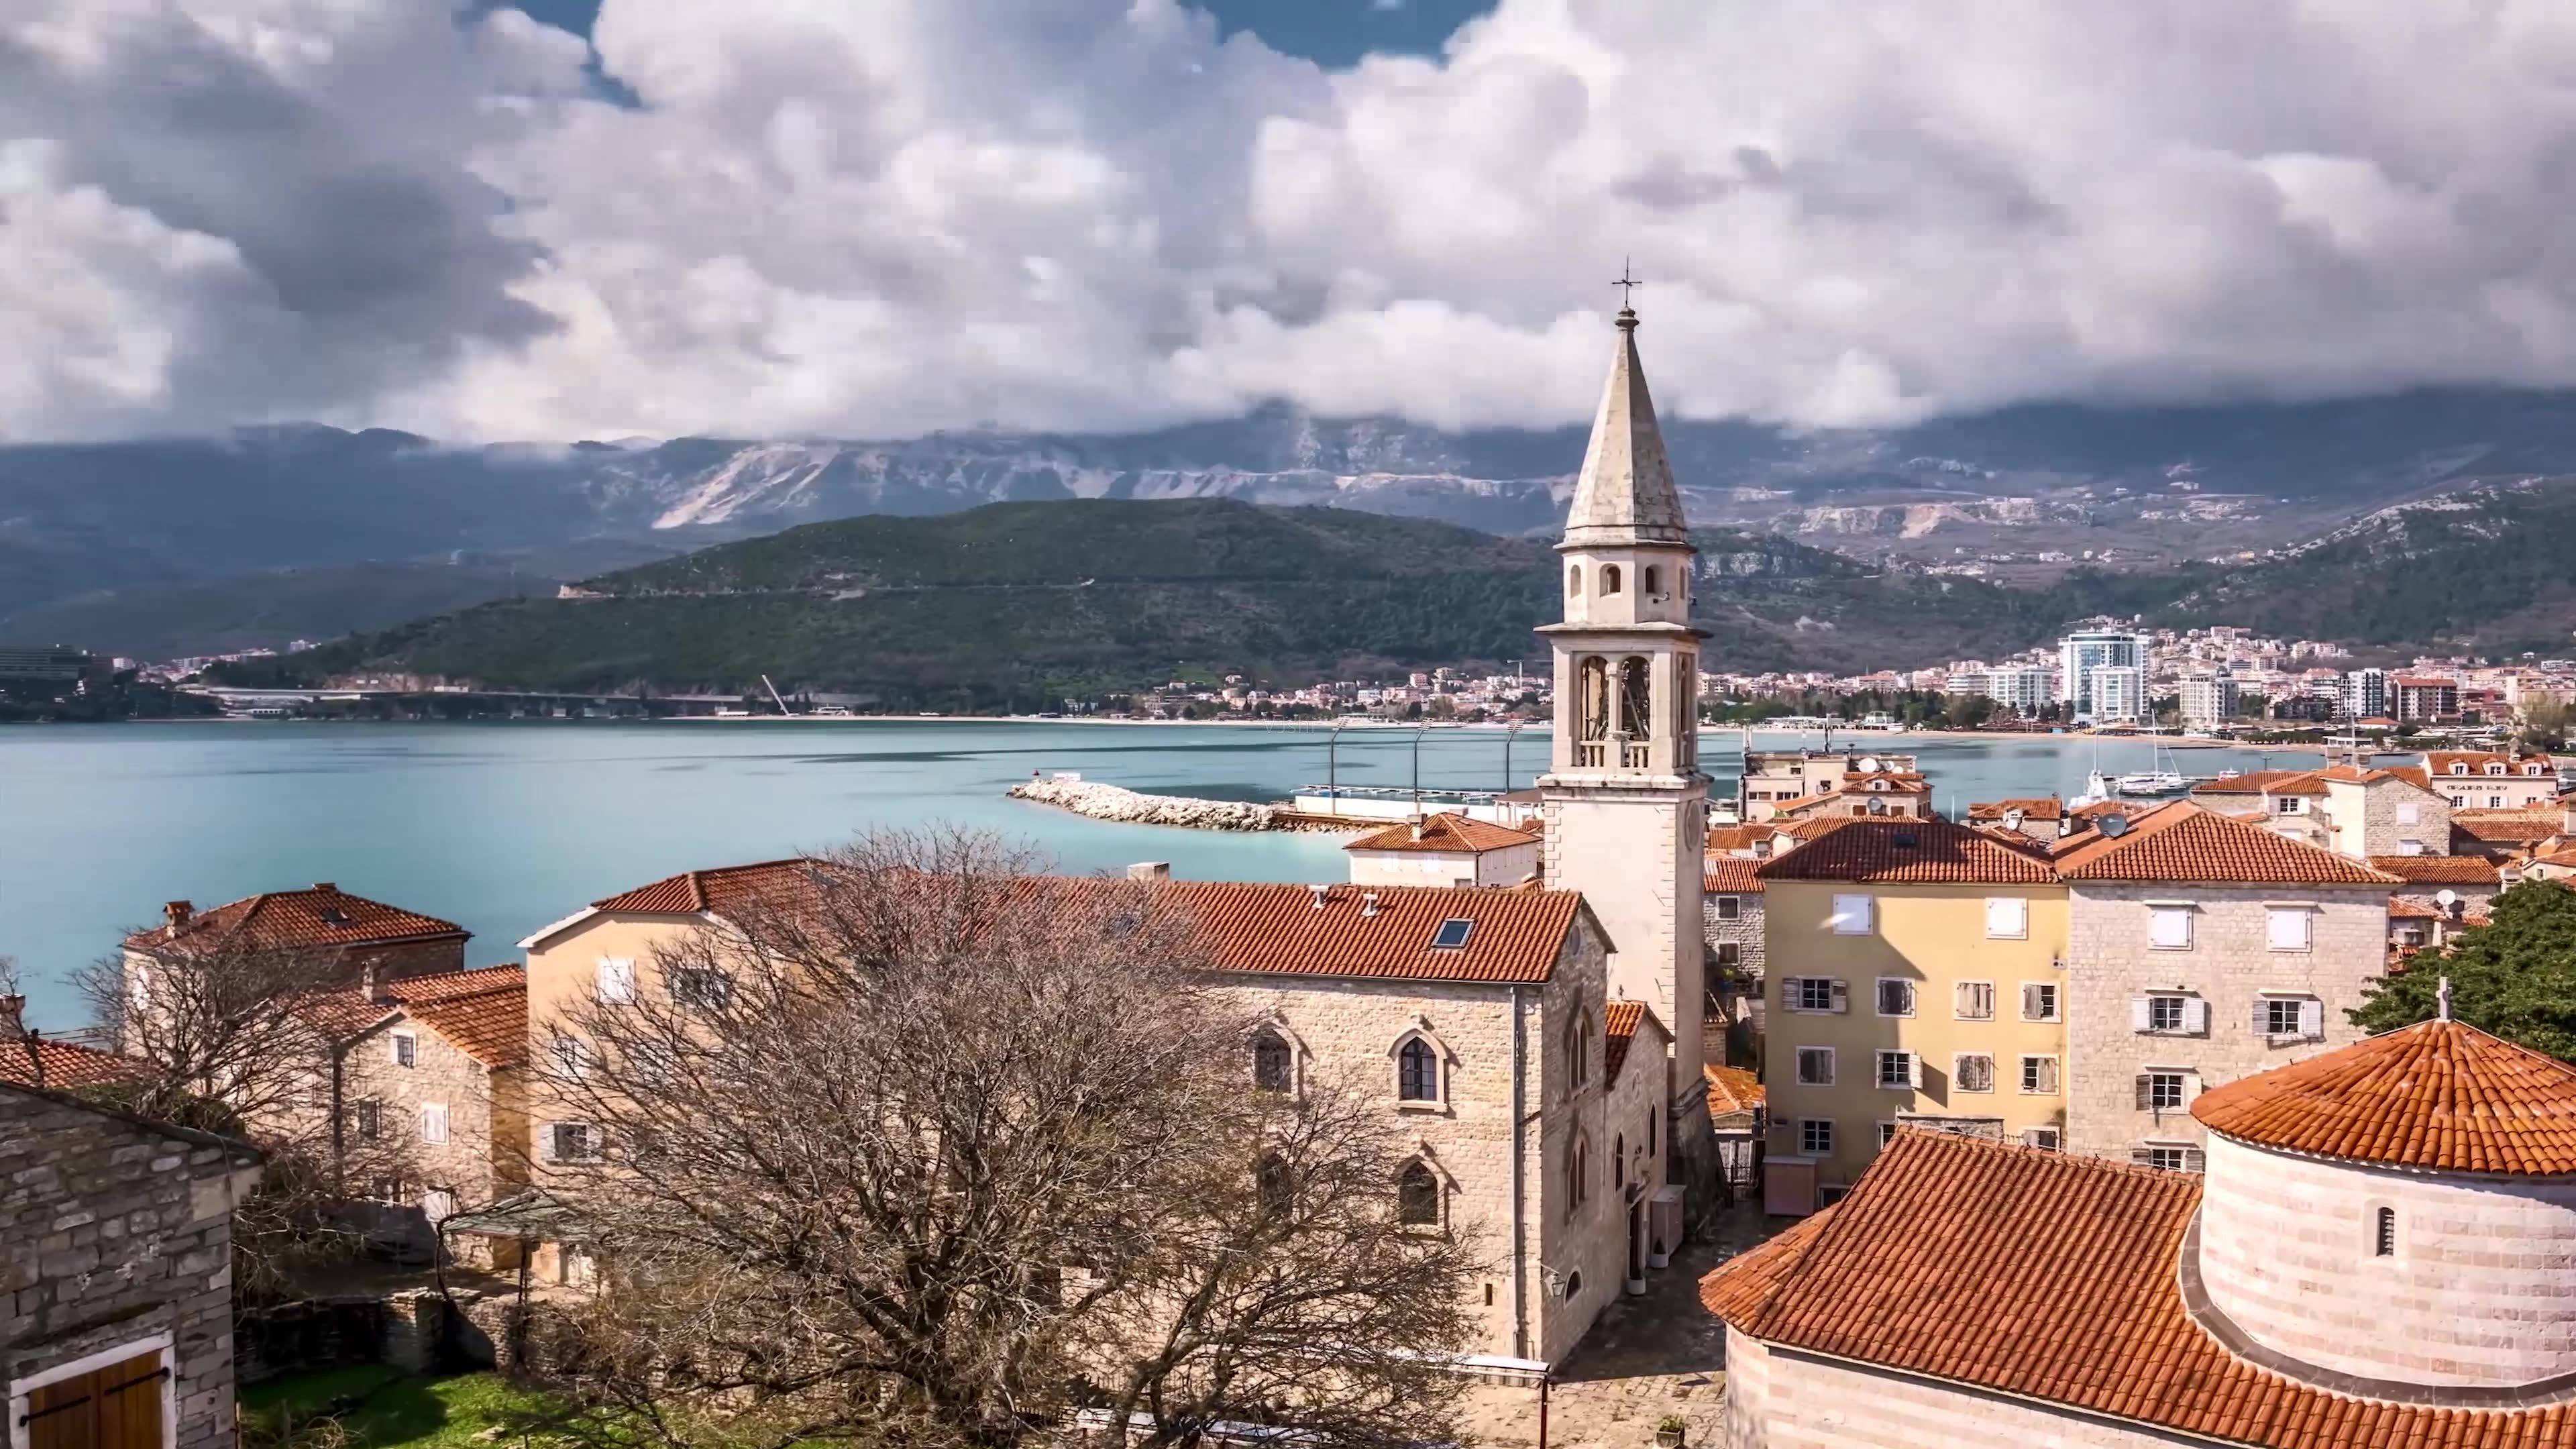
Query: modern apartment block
[(2086, 650), (2209, 700)]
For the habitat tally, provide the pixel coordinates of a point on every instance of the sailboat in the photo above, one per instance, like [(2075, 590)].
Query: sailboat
[(2164, 779)]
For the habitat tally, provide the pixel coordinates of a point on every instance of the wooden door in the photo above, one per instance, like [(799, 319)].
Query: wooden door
[(115, 1407)]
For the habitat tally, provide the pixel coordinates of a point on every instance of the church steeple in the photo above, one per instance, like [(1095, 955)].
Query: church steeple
[(1625, 494)]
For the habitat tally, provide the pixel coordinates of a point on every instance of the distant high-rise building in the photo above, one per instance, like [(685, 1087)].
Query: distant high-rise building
[(2209, 700), (2081, 653), (2022, 688), (2115, 692), (2365, 693)]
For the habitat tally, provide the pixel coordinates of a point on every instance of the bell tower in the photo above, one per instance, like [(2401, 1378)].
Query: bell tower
[(1625, 803)]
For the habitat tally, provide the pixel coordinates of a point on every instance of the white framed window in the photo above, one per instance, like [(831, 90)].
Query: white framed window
[(1728, 908), (2289, 805), (2039, 1001), (433, 1121), (1973, 1072), (2281, 1015), (1815, 993), (2163, 1090), (2410, 846), (571, 1142), (2169, 1013), (1973, 1001), (406, 1048), (2169, 927), (568, 1058), (1816, 1136), (1886, 1134), (616, 979), (1895, 996), (2171, 1156), (2046, 1139), (2286, 928), (2495, 802), (1853, 916), (2007, 918), (1898, 1071), (1815, 1066), (2039, 1076)]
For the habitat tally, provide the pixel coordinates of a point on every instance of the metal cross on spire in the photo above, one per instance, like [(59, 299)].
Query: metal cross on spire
[(1627, 286)]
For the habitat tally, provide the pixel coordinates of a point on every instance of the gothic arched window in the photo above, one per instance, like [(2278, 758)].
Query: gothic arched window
[(1417, 1195), (1417, 1071), (1609, 578), (1578, 1053), (1619, 1161), (1273, 1068), (1578, 1169), (1278, 1193)]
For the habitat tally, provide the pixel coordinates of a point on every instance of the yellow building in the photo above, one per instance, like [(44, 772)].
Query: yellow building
[(1913, 975)]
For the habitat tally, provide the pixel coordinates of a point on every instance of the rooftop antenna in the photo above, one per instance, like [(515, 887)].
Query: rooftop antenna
[(2442, 999)]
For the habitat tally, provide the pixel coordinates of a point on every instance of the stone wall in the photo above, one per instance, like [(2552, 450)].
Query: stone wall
[(1780, 1399), (2477, 1291), (1744, 933), (113, 1234), (2230, 966), (465, 1165), (2373, 819)]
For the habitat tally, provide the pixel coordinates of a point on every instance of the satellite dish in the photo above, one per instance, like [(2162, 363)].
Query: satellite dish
[(2113, 826), (2446, 898), (1869, 764)]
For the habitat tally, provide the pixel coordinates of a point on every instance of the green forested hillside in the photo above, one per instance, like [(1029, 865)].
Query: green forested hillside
[(1022, 603)]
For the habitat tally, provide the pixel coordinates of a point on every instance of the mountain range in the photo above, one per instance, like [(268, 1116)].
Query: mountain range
[(175, 546)]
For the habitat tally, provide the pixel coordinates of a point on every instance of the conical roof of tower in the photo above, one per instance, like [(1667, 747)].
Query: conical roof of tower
[(2439, 1096), (1625, 494)]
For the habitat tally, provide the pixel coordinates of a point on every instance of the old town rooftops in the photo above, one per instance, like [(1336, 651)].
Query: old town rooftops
[(2438, 1096), (322, 917), (2187, 842), (1447, 834), (2467, 870), (483, 1012), (1420, 933), (2052, 1277), (1621, 1021), (1912, 852)]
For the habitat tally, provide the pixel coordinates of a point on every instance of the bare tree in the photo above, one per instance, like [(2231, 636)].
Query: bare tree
[(230, 1034), (929, 1149)]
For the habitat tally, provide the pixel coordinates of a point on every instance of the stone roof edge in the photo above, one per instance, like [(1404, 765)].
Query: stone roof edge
[(235, 1146)]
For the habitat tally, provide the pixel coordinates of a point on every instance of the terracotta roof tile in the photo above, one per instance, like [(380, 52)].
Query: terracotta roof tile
[(321, 917), (2187, 842), (1910, 851), (2438, 869), (2038, 807), (2439, 1096), (2405, 910), (65, 1065), (2439, 762), (483, 1012), (1621, 1021), (1726, 839), (2507, 827), (2051, 1277), (1281, 929), (1733, 875), (1732, 1090), (2250, 782), (1445, 832), (692, 892)]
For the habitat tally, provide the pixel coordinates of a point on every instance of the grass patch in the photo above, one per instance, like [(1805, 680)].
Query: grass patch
[(381, 1408)]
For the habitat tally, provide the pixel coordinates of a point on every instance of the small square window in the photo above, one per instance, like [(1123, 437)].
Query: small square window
[(1895, 996), (2286, 927), (2169, 928), (2164, 1013), (616, 979), (2046, 1139), (1453, 934), (406, 1049), (2039, 1076), (2007, 918), (1729, 908), (2039, 1001), (2289, 1016), (1816, 1136), (1974, 1001), (2170, 1157), (1811, 993), (1851, 916), (1886, 1134), (2161, 1091), (1815, 1066), (571, 1142), (1973, 1072), (1729, 953), (1896, 1070)]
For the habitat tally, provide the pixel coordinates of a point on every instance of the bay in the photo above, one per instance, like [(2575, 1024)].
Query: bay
[(506, 827)]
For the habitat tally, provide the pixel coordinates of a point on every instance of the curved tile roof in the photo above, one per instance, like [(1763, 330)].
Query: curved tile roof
[(323, 916), (2440, 1096), (1930, 851), (1448, 833), (2187, 842)]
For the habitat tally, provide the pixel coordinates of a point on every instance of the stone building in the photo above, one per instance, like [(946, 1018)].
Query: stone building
[(1914, 977), (424, 1097), (115, 1276), (1731, 924), (1488, 1015), (2040, 817), (2492, 780), (1444, 850), (1624, 802), (1773, 778), (2200, 949), (2353, 810), (372, 940), (2374, 1259)]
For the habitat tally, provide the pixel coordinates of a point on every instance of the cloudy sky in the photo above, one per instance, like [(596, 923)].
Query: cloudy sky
[(593, 218)]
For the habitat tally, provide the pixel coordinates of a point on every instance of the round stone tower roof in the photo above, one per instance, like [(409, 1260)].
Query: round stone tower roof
[(2436, 1097)]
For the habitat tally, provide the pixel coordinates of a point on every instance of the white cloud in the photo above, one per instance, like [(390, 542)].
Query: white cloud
[(882, 219)]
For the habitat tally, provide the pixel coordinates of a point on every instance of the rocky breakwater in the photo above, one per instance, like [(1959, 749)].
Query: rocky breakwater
[(1112, 802)]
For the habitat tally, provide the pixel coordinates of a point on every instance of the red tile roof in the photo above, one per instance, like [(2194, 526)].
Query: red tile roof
[(1621, 1021), (1446, 833), (483, 1012), (2474, 870), (2051, 1277), (1726, 839), (323, 917), (1910, 851), (2405, 910), (60, 1065), (1280, 929), (2252, 782), (1732, 875), (2439, 1096), (2438, 763), (2507, 827), (2187, 842), (1732, 1090), (2038, 807), (696, 891)]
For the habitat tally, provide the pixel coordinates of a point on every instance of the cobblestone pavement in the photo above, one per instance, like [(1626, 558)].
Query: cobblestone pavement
[(1648, 1356)]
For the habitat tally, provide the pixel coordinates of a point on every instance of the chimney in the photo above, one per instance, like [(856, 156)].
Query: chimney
[(1417, 828), (327, 888), (1368, 904), (13, 1018), (1150, 870), (1319, 895), (178, 913)]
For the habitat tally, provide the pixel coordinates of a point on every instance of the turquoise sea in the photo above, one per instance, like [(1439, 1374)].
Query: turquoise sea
[(505, 827)]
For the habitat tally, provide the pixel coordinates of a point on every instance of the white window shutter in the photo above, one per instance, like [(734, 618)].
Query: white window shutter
[(2142, 1157), (2312, 1019), (616, 979), (2146, 1091), (546, 1142), (2140, 1018), (1914, 1070), (1842, 996), (2195, 1016), (2262, 1018), (2033, 1005)]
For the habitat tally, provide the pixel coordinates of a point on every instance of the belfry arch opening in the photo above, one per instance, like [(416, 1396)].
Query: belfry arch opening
[(1609, 579)]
